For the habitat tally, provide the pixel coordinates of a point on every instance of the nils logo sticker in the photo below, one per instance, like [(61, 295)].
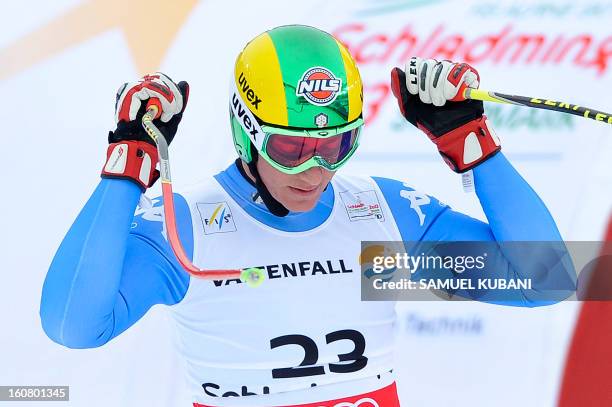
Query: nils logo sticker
[(319, 86)]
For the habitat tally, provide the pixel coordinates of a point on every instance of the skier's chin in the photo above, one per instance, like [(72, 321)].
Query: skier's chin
[(298, 200), (297, 192)]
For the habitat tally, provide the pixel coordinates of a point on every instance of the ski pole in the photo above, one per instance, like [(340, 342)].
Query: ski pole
[(485, 96), (252, 276)]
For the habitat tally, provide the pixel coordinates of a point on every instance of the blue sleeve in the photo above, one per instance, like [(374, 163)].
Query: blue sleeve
[(515, 214), (112, 267)]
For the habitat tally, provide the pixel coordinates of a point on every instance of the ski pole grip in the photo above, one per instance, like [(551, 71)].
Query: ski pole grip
[(153, 111), (462, 94), (154, 107)]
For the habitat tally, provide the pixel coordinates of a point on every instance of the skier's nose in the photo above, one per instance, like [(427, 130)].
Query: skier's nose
[(312, 176)]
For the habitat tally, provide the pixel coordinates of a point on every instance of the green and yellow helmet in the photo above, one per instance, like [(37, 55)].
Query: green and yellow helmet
[(293, 80)]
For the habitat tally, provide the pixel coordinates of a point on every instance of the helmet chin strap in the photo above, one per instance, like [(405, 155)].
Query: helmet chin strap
[(276, 208)]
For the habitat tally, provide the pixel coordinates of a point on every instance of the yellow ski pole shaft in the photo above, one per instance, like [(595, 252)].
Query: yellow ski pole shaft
[(577, 110)]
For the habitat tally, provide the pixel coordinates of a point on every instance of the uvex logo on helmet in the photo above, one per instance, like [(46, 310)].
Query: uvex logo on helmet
[(319, 86)]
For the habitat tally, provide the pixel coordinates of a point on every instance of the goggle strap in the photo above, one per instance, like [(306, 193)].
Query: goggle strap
[(247, 120)]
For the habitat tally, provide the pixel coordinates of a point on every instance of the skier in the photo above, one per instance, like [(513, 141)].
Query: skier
[(303, 337)]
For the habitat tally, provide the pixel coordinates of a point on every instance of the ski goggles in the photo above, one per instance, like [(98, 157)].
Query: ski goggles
[(292, 151)]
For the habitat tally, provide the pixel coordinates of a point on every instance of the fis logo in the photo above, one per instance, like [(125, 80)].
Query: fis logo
[(216, 218), (319, 86)]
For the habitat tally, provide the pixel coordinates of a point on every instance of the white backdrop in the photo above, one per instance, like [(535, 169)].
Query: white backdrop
[(61, 63)]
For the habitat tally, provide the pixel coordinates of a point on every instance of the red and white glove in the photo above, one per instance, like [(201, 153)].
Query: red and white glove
[(430, 96), (132, 154), (158, 86)]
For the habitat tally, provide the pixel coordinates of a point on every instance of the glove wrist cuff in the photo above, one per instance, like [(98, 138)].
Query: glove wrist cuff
[(134, 160), (468, 145)]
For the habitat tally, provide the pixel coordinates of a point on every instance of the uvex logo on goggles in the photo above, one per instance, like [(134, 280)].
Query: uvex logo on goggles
[(319, 86), (246, 119)]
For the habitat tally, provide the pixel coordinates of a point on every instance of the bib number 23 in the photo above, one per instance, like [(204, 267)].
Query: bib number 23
[(309, 367)]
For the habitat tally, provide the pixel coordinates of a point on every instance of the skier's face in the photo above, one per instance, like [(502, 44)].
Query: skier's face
[(298, 192)]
